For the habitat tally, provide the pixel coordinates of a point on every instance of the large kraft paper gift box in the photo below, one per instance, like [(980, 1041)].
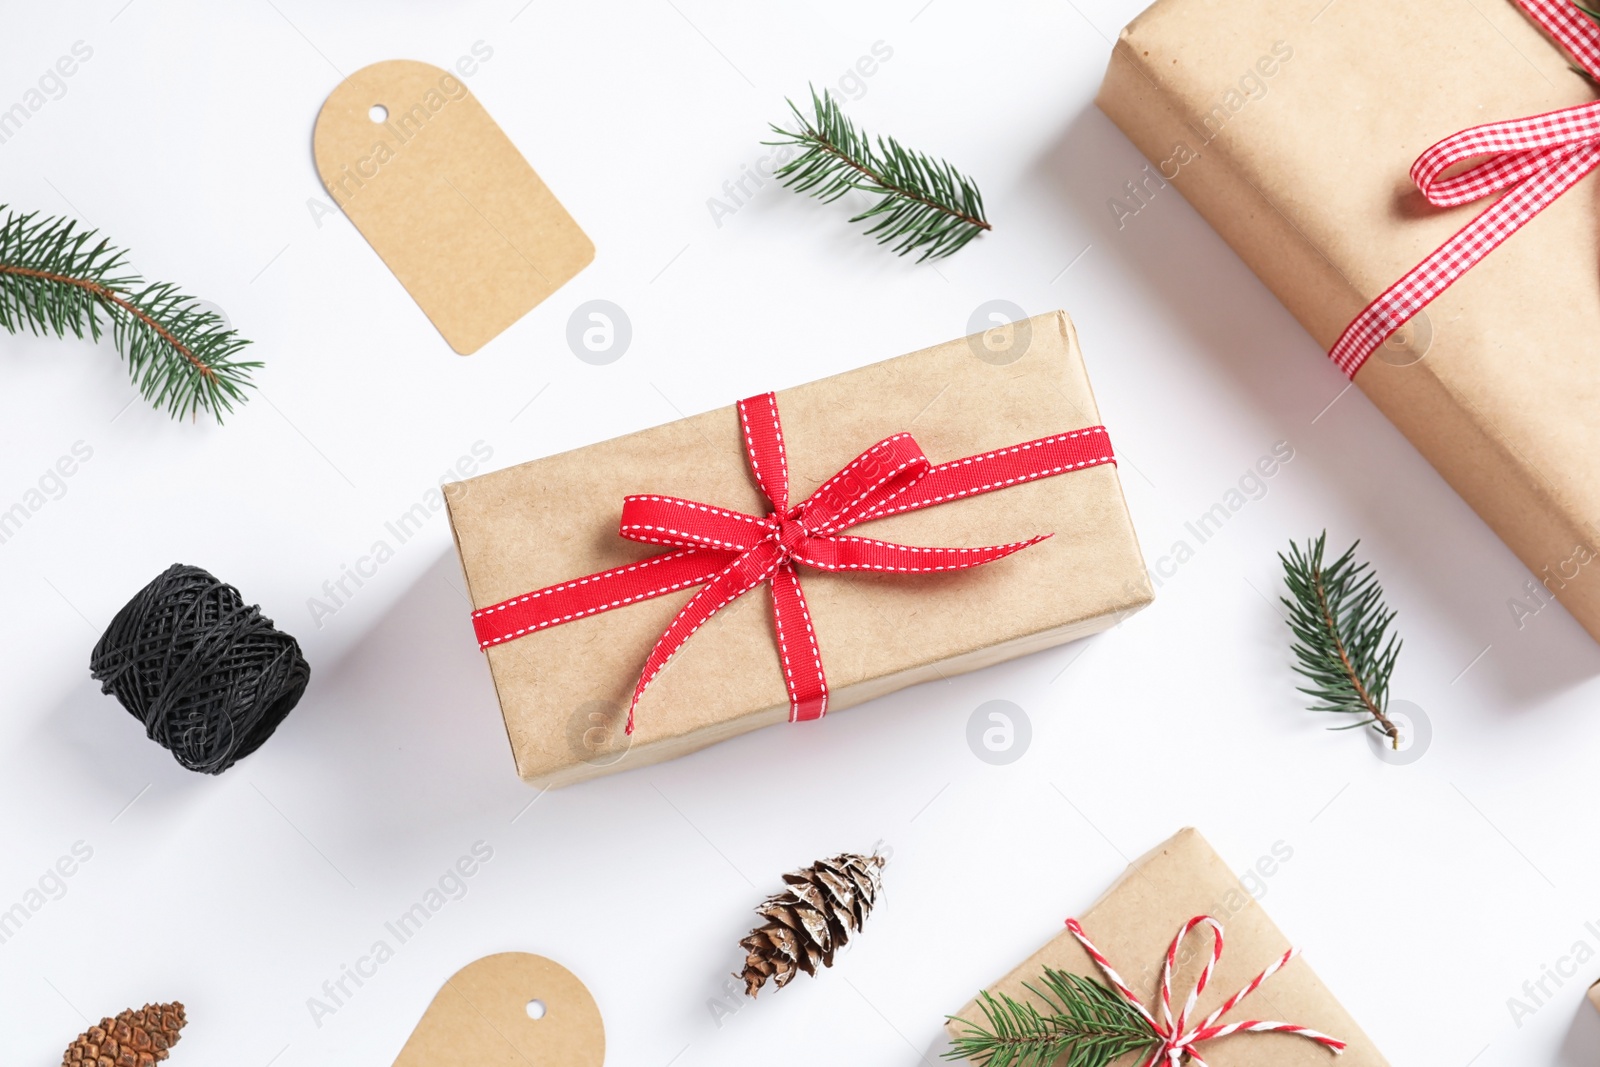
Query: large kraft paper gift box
[(1133, 925), (565, 690), (1291, 126)]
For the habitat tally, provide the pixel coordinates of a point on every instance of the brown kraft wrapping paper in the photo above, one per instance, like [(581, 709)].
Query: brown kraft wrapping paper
[(1293, 135), (1133, 925), (564, 690)]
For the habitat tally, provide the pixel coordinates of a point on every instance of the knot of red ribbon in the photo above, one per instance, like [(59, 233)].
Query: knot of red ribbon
[(1177, 1038), (1535, 159), (728, 553)]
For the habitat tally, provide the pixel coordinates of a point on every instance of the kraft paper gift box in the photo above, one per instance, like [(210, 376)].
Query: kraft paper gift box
[(1133, 925), (564, 690), (1291, 126)]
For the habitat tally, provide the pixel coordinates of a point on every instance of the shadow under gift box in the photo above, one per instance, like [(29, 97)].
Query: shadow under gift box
[(564, 690), (1292, 125), (1133, 924)]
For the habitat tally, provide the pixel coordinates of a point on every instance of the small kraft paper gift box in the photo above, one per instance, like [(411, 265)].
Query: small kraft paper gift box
[(797, 553), (1371, 195), (1179, 922)]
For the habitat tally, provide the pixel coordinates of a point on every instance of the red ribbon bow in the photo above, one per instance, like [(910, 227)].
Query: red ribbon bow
[(729, 553), (1536, 159)]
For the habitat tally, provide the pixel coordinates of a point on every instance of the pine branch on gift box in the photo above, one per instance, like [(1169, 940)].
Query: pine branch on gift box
[(1083, 1020), (922, 202), (55, 278), (1342, 638)]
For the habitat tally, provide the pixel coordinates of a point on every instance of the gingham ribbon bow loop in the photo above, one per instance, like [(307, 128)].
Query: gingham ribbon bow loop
[(1178, 1039), (1533, 160)]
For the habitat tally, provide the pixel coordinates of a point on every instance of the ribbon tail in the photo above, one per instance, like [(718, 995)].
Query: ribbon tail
[(1261, 1026), (736, 579), (868, 554), (797, 647)]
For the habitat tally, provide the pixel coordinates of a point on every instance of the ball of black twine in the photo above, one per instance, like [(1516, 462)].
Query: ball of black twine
[(208, 675)]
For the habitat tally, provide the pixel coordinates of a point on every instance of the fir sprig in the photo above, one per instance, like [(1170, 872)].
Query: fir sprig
[(1342, 639), (1084, 1021), (922, 202), (55, 278)]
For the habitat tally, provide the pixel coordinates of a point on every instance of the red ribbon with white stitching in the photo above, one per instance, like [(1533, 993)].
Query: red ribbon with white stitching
[(1178, 1039), (728, 553), (1536, 159)]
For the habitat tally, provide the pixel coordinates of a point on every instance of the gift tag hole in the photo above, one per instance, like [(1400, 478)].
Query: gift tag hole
[(536, 1009), (379, 113)]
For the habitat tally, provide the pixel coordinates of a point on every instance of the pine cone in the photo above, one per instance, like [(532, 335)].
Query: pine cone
[(133, 1039), (808, 922)]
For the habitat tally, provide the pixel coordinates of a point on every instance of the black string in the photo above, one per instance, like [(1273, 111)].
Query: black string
[(209, 676)]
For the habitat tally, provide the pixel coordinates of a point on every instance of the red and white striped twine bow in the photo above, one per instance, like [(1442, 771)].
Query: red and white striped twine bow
[(728, 553), (1536, 159), (1178, 1039)]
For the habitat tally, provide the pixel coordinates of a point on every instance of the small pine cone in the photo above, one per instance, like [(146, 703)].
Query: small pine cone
[(812, 919), (133, 1039)]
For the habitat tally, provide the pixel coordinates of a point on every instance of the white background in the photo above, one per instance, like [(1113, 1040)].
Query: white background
[(1425, 895)]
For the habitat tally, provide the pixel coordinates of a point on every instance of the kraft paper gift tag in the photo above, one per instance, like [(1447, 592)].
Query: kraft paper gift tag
[(445, 198), (485, 1017)]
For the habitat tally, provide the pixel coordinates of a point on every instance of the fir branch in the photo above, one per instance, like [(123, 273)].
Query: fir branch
[(922, 203), (55, 278), (1084, 1021), (1342, 639)]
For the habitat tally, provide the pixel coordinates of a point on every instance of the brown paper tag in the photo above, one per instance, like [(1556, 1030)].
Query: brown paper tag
[(484, 1017), (442, 194)]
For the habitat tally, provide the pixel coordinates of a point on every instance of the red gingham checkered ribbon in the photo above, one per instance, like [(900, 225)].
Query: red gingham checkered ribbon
[(1178, 1039), (728, 553), (1536, 159)]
